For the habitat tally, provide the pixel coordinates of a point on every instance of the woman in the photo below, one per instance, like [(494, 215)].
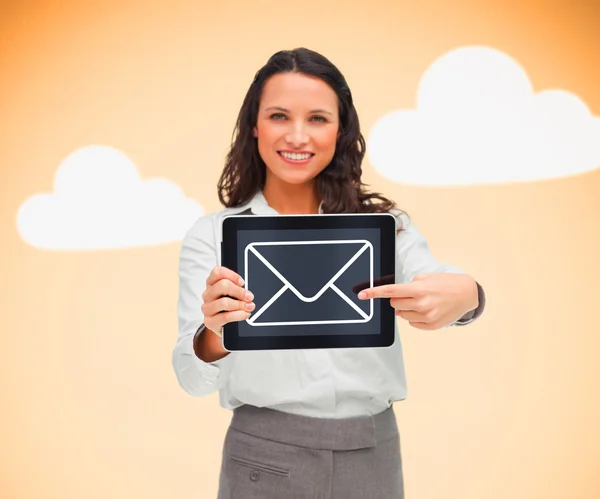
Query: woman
[(306, 423)]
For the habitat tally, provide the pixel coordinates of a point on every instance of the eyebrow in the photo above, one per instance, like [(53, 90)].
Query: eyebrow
[(287, 110)]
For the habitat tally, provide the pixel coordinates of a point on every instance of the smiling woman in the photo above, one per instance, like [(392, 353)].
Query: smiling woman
[(308, 422)]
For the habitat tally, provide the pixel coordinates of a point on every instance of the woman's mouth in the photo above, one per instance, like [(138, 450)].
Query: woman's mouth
[(296, 158)]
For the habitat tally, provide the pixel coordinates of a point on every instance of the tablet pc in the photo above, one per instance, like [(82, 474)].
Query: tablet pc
[(305, 272)]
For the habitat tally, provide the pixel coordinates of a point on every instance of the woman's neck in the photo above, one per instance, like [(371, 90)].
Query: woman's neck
[(291, 199)]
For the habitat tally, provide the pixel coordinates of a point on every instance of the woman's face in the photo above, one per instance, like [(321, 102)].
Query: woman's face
[(297, 127)]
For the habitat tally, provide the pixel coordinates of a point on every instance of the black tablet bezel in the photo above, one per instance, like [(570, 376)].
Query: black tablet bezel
[(385, 222)]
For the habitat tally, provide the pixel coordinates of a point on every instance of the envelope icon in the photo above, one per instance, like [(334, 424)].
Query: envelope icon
[(327, 304)]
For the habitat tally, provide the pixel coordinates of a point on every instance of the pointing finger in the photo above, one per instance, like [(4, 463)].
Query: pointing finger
[(388, 291)]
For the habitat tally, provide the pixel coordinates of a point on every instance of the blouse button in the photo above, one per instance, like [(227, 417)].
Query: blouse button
[(254, 475)]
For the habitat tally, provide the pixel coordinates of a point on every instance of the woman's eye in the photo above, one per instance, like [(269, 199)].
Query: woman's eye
[(281, 116)]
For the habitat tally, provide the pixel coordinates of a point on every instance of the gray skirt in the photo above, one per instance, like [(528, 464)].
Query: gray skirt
[(270, 454)]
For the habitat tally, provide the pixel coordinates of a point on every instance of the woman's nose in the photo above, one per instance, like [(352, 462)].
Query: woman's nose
[(297, 135)]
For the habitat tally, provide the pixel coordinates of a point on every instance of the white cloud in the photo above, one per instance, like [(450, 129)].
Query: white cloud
[(100, 202), (478, 121)]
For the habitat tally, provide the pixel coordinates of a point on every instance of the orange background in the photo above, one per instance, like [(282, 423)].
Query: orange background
[(506, 408)]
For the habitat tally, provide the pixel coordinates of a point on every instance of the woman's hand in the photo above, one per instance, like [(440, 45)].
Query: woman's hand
[(430, 301), (225, 300)]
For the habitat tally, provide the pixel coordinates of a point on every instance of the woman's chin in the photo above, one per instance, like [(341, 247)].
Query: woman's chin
[(298, 179), (291, 176)]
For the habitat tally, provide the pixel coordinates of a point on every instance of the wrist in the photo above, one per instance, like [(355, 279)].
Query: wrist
[(208, 345)]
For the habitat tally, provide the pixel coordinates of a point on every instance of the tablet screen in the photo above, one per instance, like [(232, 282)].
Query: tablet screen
[(308, 280)]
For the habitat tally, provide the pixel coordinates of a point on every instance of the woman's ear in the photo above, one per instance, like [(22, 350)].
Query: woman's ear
[(255, 132)]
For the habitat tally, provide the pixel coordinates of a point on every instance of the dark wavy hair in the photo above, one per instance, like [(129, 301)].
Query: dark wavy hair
[(339, 185)]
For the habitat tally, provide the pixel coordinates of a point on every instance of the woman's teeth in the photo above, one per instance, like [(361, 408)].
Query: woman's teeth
[(294, 156)]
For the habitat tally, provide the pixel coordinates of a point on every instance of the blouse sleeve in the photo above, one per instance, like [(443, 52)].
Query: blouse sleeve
[(198, 256)]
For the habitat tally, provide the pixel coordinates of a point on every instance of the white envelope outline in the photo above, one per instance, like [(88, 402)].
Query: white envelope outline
[(366, 245)]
